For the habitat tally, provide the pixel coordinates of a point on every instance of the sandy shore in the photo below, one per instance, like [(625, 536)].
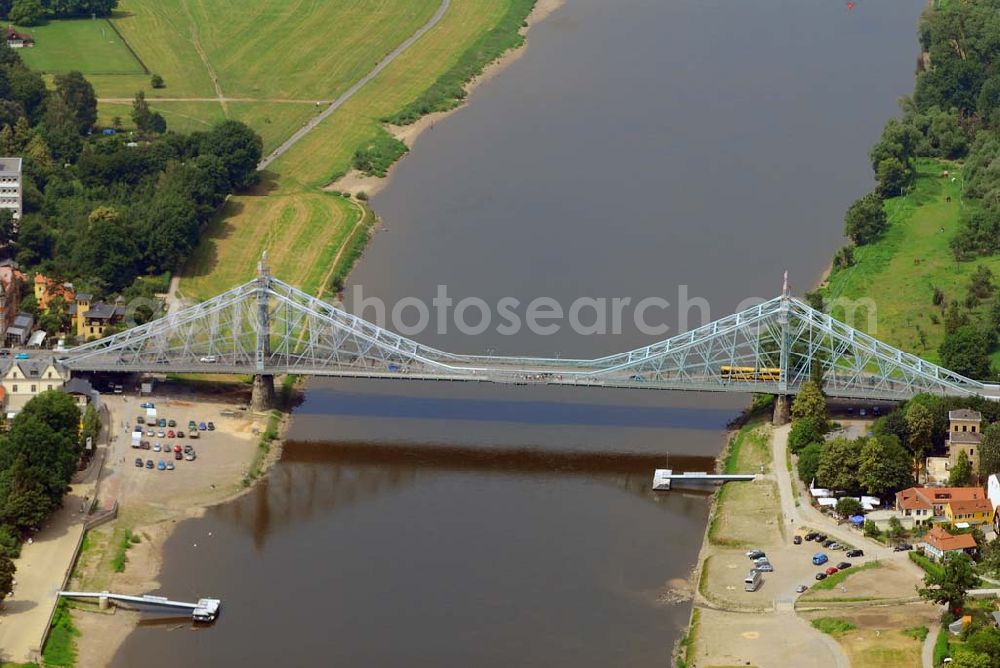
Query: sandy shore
[(355, 182), (152, 506)]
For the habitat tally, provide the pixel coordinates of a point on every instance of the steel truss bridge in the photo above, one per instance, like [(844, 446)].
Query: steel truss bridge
[(267, 327)]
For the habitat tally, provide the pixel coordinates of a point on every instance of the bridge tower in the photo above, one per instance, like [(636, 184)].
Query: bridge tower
[(262, 397), (782, 403)]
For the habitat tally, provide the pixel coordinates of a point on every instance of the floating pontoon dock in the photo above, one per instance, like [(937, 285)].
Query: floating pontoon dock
[(205, 610), (664, 478)]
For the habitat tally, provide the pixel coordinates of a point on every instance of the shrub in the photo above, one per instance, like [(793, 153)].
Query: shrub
[(156, 81), (832, 625)]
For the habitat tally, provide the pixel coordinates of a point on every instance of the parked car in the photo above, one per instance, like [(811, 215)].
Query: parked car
[(138, 462), (171, 434), (797, 540), (162, 422), (761, 560), (191, 456), (811, 535), (832, 570), (202, 426), (902, 547), (819, 558), (829, 543), (187, 449), (150, 433), (844, 565), (194, 434), (756, 554), (177, 448), (855, 553), (161, 465), (211, 426), (156, 447), (145, 445), (140, 420), (820, 537), (821, 576), (149, 463), (765, 567), (161, 434), (800, 589), (147, 404), (192, 425), (180, 434), (171, 423), (170, 466), (178, 455), (836, 546)]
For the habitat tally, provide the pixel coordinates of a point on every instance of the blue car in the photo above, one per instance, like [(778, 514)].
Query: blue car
[(819, 558), (162, 465)]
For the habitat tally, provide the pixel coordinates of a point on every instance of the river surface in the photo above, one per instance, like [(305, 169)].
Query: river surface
[(641, 148)]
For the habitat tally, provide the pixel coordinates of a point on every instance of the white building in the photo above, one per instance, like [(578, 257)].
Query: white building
[(23, 380), (10, 185)]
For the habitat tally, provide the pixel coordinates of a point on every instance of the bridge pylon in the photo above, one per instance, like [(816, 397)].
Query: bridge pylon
[(262, 396)]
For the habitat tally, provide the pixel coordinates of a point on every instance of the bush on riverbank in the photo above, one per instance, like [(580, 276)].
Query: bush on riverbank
[(376, 157), (60, 648)]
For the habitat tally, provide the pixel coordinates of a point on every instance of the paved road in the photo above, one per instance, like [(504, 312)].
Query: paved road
[(358, 85), (927, 651)]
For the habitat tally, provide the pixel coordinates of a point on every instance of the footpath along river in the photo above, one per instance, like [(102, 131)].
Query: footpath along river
[(641, 148)]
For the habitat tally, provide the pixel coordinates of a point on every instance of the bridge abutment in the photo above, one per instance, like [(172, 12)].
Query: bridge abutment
[(782, 410), (262, 397)]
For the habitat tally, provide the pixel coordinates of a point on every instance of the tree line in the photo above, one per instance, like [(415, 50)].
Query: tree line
[(953, 114), (34, 12), (104, 210), (38, 457)]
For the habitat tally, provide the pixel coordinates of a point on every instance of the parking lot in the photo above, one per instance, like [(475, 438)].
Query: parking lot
[(222, 455)]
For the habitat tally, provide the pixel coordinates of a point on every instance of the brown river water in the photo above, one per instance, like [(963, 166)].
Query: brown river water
[(641, 148)]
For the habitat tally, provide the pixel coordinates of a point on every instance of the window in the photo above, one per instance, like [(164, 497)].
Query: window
[(971, 452), (34, 388), (49, 375), (964, 427), (973, 429), (49, 387), (15, 388)]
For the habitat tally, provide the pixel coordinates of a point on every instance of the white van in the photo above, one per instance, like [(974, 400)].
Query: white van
[(752, 581)]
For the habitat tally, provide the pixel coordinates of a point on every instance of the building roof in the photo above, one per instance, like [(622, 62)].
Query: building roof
[(10, 165), (964, 437), (924, 498), (965, 414), (944, 541), (104, 311), (966, 506), (84, 296)]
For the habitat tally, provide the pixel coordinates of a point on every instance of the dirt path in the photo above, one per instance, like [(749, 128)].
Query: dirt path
[(196, 42), (358, 85)]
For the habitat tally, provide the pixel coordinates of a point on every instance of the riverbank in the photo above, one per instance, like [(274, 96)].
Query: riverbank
[(356, 182), (126, 555), (775, 622)]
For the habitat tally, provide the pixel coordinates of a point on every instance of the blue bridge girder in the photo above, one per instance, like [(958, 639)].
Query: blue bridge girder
[(267, 327)]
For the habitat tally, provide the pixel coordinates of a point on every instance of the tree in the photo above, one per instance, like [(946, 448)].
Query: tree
[(966, 657), (26, 12), (920, 425), (896, 531), (871, 529), (955, 318), (805, 431), (838, 464), (79, 97), (61, 130), (808, 462), (7, 570), (885, 466), (967, 351), (6, 227), (989, 451), (846, 506), (238, 147), (810, 402), (961, 472), (986, 641), (865, 220), (950, 584), (156, 81), (893, 177), (981, 282)]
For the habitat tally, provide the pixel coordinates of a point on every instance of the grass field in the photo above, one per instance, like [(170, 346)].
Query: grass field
[(900, 271), (880, 637), (88, 45)]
